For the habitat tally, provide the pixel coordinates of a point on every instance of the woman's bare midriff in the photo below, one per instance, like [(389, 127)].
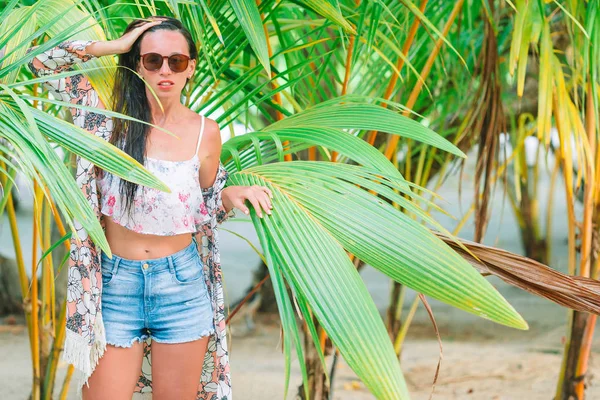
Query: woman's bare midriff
[(128, 244)]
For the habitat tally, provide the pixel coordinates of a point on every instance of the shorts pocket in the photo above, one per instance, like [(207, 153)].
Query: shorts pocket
[(188, 272), (108, 270)]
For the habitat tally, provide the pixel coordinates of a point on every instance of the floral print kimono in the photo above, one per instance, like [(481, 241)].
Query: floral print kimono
[(85, 340)]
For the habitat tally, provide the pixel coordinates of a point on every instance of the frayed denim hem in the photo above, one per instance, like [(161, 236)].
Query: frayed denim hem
[(138, 339), (207, 332)]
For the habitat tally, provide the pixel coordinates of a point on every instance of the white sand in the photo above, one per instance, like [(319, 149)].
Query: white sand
[(518, 365)]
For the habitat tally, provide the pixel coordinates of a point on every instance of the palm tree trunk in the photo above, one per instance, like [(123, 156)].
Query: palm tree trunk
[(571, 385), (571, 376)]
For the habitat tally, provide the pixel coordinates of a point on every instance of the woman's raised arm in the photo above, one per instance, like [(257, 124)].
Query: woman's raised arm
[(60, 58), (74, 88)]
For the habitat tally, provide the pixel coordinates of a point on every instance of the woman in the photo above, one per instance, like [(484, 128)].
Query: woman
[(156, 286)]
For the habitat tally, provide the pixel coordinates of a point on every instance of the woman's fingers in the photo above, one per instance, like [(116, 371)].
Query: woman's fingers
[(239, 204), (269, 197), (254, 201), (126, 41), (263, 195), (143, 28), (268, 191), (259, 196), (263, 199)]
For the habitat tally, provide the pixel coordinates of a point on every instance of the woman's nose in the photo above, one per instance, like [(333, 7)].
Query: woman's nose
[(164, 68)]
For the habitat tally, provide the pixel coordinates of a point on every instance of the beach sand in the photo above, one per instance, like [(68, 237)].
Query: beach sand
[(520, 365)]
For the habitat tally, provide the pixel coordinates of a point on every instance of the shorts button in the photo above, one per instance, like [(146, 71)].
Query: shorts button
[(145, 266)]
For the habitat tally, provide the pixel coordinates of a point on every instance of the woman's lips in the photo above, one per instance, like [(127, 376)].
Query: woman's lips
[(165, 85)]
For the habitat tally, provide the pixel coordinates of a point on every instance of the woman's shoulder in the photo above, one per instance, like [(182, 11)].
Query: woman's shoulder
[(211, 127), (194, 118)]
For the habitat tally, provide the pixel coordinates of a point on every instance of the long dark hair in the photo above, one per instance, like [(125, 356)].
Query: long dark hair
[(130, 99)]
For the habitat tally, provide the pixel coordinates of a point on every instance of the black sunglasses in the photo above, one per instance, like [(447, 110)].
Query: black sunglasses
[(154, 61)]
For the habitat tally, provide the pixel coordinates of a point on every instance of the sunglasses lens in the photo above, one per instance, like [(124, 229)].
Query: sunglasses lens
[(178, 62), (153, 61)]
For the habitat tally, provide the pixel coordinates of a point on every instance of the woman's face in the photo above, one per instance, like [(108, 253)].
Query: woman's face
[(164, 81)]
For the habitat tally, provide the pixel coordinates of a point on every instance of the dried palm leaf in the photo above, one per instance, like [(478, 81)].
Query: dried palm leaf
[(575, 292)]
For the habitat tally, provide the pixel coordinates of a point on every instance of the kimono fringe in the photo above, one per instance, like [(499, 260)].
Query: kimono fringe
[(84, 358)]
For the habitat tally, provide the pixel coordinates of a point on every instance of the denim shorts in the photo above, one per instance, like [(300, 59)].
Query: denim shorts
[(164, 298)]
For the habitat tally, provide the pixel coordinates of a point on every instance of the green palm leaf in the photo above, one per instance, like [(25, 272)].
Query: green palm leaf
[(249, 18), (318, 270), (101, 78), (18, 25), (322, 209), (385, 238), (302, 137), (346, 112), (40, 162), (284, 305), (326, 9)]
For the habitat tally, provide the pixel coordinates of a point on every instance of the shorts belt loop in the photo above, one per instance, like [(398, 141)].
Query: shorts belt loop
[(116, 265), (171, 267)]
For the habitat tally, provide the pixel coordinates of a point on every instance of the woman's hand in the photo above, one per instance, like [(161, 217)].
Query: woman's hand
[(126, 41), (122, 44), (258, 196)]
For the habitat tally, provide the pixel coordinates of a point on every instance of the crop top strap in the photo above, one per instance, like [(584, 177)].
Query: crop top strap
[(200, 135)]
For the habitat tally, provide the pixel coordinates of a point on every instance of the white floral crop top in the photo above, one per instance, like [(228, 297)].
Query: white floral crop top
[(155, 212)]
